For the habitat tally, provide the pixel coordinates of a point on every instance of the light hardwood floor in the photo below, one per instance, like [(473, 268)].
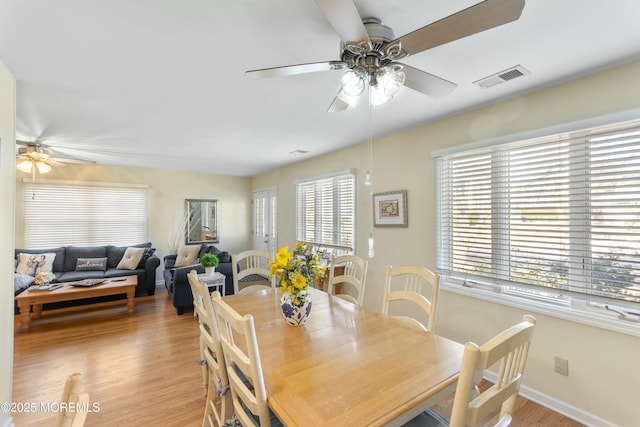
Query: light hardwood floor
[(140, 369)]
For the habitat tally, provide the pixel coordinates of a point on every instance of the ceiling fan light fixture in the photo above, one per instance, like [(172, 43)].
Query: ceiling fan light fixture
[(378, 96), (25, 166), (391, 79), (353, 81), (28, 166), (43, 167)]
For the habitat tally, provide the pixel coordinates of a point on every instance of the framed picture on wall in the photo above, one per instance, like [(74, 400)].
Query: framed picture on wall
[(390, 209)]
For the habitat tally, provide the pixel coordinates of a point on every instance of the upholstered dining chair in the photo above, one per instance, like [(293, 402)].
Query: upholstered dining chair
[(510, 349), (348, 270), (74, 393), (250, 267), (412, 283), (218, 407), (244, 368)]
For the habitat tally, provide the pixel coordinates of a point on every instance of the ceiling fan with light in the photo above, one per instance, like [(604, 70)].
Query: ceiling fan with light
[(370, 50), (32, 156)]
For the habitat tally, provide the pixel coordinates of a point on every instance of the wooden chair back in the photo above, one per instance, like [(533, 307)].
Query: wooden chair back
[(249, 263), (73, 393), (198, 308), (510, 349), (351, 271), (219, 406), (244, 368), (412, 283)]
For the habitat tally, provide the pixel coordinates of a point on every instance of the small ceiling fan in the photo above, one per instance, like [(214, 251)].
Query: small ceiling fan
[(370, 50), (32, 156)]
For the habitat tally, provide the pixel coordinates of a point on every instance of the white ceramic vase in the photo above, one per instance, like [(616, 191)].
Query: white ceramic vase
[(295, 315)]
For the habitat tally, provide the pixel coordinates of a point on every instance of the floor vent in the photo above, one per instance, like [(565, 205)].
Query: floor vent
[(502, 76)]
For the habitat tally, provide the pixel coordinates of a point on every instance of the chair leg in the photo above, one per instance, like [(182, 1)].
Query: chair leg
[(209, 415), (203, 364)]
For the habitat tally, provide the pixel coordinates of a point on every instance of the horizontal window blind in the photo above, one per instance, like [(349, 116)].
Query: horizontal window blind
[(560, 212), (63, 213), (325, 211)]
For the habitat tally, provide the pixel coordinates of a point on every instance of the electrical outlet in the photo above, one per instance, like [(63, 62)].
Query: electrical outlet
[(561, 366)]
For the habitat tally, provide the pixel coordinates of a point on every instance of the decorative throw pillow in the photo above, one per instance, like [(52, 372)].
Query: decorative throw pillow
[(91, 264), (145, 256), (33, 264), (187, 255), (130, 259), (21, 282), (224, 257)]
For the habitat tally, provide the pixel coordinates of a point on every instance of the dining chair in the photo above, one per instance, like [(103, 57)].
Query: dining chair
[(244, 368), (218, 407), (250, 267), (350, 270), (412, 283), (470, 407), (193, 280), (73, 415)]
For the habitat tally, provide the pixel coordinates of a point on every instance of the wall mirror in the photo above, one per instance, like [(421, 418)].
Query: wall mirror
[(202, 221)]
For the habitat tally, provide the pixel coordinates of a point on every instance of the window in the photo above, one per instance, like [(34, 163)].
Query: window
[(325, 209), (545, 218), (84, 214)]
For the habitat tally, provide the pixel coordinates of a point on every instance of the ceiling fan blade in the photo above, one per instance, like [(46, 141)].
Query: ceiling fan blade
[(475, 19), (426, 83), (338, 104), (290, 70), (345, 19), (53, 162), (60, 160)]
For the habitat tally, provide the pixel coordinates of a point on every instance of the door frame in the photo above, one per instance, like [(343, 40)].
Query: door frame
[(270, 218)]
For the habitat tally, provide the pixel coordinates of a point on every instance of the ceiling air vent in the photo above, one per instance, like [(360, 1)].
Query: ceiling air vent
[(502, 76)]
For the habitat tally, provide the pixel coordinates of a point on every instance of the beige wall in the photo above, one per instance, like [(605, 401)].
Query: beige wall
[(167, 191), (604, 379), (7, 179)]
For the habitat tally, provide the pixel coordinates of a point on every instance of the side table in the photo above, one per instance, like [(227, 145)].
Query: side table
[(213, 281)]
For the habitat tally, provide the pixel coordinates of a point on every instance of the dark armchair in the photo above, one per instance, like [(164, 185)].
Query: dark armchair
[(177, 284)]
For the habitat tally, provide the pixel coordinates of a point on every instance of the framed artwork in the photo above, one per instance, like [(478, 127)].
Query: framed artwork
[(390, 209)]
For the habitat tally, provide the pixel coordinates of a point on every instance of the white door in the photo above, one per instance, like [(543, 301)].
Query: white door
[(265, 232)]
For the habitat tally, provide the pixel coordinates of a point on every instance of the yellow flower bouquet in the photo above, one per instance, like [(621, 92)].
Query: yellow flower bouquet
[(296, 270)]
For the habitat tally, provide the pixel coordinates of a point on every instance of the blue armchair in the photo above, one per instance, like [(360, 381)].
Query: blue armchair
[(177, 284)]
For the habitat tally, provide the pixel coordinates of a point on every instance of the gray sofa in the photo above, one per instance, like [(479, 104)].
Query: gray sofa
[(66, 261)]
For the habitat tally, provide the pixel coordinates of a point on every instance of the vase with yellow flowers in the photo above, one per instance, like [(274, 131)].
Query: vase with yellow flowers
[(295, 272)]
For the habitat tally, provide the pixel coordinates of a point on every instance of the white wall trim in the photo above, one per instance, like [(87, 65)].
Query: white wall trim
[(617, 118), (575, 312), (556, 405)]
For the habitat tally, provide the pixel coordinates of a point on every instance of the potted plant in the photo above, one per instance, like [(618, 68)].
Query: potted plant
[(209, 262)]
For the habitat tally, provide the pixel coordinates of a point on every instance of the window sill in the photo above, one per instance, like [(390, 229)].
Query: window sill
[(573, 309)]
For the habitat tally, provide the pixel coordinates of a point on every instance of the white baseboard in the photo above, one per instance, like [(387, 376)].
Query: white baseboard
[(556, 405)]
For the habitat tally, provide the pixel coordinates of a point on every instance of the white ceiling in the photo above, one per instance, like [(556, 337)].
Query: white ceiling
[(161, 84)]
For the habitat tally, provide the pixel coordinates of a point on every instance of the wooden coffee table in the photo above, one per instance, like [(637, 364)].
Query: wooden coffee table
[(68, 292)]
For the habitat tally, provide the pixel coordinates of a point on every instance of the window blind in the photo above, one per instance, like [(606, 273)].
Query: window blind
[(325, 211), (560, 212), (63, 213)]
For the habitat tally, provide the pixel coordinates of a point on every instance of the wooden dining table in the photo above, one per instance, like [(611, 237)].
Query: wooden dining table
[(347, 366)]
